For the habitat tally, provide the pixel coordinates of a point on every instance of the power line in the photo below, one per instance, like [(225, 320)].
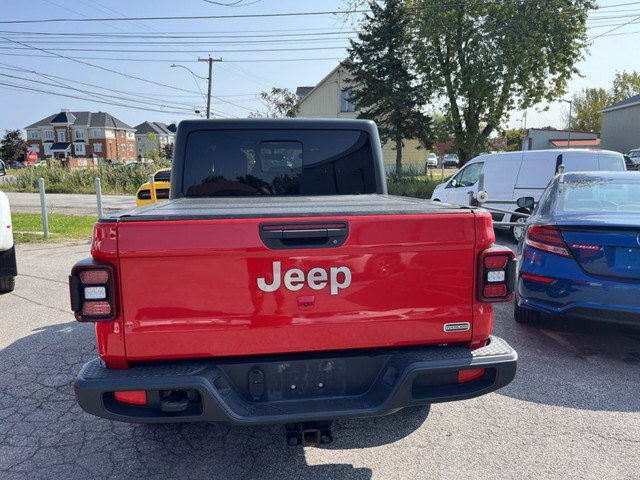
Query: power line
[(175, 60), (99, 96), (190, 17), (115, 50), (252, 15), (98, 66), (205, 34)]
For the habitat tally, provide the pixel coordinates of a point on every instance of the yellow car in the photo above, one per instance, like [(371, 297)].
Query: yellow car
[(160, 186)]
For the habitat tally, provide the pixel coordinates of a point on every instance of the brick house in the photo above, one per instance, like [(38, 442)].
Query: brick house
[(82, 138)]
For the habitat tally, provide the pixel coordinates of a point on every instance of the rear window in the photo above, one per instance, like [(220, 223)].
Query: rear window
[(278, 162), (599, 195)]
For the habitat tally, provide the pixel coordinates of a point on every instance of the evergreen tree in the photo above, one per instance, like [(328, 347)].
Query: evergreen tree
[(383, 85)]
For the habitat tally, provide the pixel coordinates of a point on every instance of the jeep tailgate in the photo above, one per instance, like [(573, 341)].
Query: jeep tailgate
[(206, 287)]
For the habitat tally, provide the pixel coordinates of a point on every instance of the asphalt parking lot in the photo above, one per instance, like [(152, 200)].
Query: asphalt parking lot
[(573, 410)]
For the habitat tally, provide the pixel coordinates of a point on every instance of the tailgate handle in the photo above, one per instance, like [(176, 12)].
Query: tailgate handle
[(304, 234)]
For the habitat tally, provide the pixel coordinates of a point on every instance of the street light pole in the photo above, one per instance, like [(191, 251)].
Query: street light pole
[(570, 102), (209, 79), (210, 60)]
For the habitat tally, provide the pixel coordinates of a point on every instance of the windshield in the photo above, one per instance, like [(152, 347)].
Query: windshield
[(278, 162)]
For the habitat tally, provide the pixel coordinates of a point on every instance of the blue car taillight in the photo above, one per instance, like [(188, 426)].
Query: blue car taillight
[(548, 239)]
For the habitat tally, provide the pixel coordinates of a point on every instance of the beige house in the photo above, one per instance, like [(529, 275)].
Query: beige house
[(329, 99)]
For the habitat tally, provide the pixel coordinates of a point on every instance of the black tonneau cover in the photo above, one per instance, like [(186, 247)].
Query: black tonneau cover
[(298, 206)]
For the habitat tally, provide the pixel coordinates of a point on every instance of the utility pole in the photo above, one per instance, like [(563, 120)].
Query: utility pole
[(210, 60)]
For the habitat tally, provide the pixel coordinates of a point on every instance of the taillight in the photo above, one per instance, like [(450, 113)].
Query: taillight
[(93, 293), (465, 376), (548, 239), (497, 275)]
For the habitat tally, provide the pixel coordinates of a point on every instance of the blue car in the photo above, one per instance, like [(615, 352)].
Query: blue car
[(580, 252)]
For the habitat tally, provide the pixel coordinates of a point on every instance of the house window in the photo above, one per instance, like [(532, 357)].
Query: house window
[(97, 147), (47, 148), (96, 133), (79, 134), (129, 134), (35, 148), (79, 148), (345, 102), (123, 148), (33, 134), (61, 136), (48, 134), (131, 148)]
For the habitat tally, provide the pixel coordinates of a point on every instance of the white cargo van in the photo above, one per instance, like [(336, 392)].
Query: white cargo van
[(8, 269), (512, 175)]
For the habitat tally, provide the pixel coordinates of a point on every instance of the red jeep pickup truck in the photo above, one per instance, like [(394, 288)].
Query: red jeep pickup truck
[(281, 284)]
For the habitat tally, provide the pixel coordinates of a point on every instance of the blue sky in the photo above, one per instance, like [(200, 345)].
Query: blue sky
[(258, 51)]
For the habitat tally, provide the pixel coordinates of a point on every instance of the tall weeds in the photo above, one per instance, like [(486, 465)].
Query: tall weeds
[(119, 179)]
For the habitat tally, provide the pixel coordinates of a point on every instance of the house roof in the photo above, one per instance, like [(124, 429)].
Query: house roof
[(88, 119), (153, 127), (578, 142), (302, 92), (629, 102), (339, 66), (64, 117)]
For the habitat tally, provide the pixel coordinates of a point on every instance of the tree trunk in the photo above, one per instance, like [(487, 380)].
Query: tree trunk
[(398, 157)]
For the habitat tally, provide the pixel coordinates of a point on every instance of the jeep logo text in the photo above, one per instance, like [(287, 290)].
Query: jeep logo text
[(317, 278)]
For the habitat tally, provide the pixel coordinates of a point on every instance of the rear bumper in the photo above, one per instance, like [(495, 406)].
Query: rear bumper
[(294, 388)]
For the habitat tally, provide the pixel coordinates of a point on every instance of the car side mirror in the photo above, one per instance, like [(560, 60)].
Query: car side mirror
[(526, 202)]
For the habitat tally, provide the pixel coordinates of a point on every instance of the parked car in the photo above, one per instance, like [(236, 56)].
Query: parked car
[(580, 254), (450, 160), (160, 185), (8, 270), (511, 175), (632, 159), (3, 169), (432, 160)]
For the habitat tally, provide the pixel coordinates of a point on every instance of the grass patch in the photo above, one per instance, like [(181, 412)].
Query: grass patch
[(419, 186), (27, 227)]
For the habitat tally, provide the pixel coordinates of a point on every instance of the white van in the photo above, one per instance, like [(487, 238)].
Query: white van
[(512, 175), (8, 270)]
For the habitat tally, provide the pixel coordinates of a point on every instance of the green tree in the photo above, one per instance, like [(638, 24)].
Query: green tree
[(625, 85), (442, 129), (279, 103), (586, 106), (383, 84), (489, 57), (514, 143), (12, 146)]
